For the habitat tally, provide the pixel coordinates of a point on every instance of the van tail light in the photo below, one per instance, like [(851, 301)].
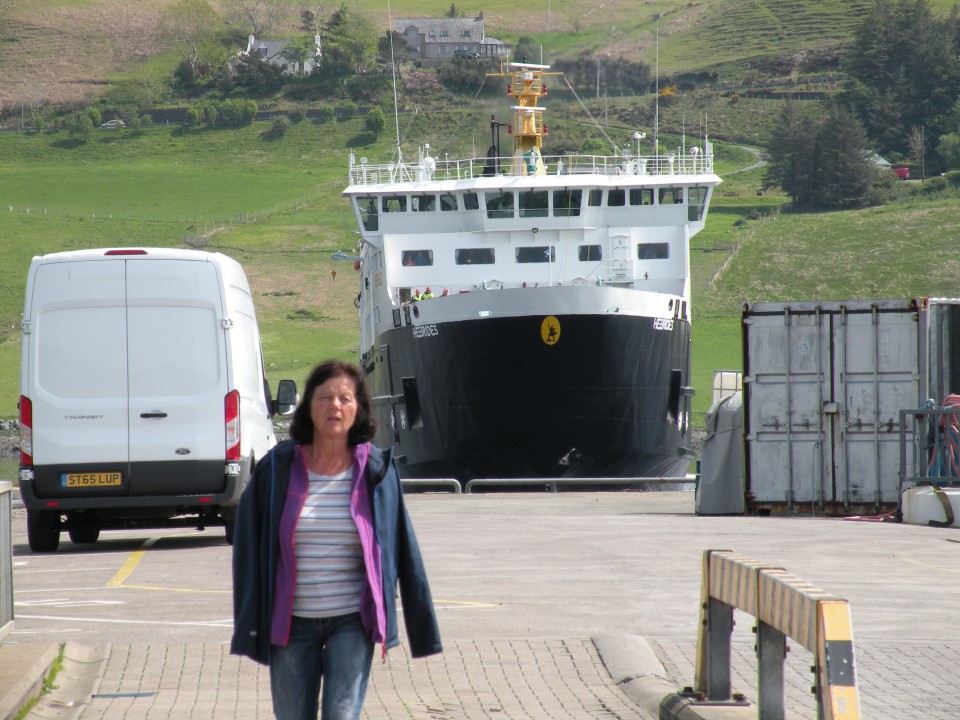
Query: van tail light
[(231, 412), (26, 432)]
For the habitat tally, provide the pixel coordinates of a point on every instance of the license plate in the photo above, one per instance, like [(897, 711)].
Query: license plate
[(96, 479)]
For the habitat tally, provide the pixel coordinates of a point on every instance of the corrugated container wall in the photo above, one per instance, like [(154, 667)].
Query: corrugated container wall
[(824, 383)]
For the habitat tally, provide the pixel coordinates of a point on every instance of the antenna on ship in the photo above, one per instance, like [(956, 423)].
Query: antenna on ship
[(656, 99), (393, 70)]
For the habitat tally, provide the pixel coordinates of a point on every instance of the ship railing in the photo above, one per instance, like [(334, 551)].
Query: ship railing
[(690, 163)]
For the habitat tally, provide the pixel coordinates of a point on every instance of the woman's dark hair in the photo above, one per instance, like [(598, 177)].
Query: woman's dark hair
[(364, 426)]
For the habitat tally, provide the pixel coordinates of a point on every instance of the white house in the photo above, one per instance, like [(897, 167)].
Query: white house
[(271, 51)]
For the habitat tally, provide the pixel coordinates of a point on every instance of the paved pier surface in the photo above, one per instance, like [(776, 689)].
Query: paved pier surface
[(567, 605)]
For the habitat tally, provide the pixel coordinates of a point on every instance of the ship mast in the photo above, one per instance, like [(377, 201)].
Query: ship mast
[(527, 86)]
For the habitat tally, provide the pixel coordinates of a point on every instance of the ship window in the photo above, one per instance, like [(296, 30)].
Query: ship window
[(671, 196), (653, 251), (616, 197), (416, 258), (567, 202), (536, 254), (368, 213), (448, 201), (586, 253), (423, 203), (533, 203), (499, 204), (471, 201), (394, 203), (697, 197), (641, 196), (474, 256), (595, 198)]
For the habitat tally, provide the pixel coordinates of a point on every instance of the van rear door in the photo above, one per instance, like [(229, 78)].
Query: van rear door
[(78, 364), (178, 376)]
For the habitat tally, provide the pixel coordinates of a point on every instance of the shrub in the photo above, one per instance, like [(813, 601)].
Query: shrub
[(278, 129), (375, 121)]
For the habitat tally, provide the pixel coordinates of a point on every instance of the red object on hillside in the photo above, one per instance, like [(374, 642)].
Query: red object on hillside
[(902, 171)]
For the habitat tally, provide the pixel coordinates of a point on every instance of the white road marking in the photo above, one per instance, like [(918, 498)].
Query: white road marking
[(209, 623)]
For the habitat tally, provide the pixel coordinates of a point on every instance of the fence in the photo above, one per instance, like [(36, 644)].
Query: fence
[(784, 606), (6, 559)]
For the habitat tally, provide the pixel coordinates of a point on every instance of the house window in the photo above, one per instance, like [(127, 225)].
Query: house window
[(566, 203), (589, 253), (653, 251), (474, 256), (536, 254), (465, 33), (444, 33)]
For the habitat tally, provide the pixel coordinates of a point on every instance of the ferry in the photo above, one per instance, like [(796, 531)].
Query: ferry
[(524, 315)]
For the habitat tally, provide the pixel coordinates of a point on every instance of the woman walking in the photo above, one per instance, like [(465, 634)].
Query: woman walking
[(322, 539)]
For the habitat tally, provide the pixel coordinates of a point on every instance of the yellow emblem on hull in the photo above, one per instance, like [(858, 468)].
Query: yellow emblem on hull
[(550, 330)]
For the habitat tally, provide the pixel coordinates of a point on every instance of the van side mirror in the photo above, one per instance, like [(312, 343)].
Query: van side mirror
[(287, 398)]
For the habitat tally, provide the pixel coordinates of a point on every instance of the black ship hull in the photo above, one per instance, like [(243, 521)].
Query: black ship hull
[(603, 396)]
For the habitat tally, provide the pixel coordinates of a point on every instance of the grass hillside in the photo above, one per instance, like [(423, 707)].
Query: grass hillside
[(67, 51), (275, 204)]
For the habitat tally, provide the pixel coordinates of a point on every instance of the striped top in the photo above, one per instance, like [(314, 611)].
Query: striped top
[(329, 557)]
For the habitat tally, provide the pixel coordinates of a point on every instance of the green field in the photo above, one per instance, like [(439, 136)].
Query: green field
[(275, 205)]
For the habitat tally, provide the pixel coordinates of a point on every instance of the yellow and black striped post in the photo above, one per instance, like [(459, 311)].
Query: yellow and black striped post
[(784, 606)]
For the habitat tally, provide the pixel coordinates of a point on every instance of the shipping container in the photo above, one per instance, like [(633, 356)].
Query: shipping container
[(824, 384)]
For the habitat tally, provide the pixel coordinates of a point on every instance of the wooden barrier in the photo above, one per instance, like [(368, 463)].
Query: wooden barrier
[(784, 606)]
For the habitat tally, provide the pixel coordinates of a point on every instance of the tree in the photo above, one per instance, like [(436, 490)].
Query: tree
[(350, 41), (262, 16), (393, 45), (790, 158), (314, 15), (454, 11), (820, 161), (375, 121), (300, 49), (949, 149), (918, 150), (81, 127), (190, 27), (257, 76)]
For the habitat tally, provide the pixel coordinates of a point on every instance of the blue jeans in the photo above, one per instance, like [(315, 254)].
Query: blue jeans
[(337, 651)]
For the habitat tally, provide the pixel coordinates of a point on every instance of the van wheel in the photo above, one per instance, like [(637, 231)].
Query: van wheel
[(43, 531), (84, 534)]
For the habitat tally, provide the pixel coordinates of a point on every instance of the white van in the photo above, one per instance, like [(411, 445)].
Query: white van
[(143, 400)]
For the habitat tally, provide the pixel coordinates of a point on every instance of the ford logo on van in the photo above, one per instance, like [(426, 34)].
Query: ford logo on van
[(183, 451)]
